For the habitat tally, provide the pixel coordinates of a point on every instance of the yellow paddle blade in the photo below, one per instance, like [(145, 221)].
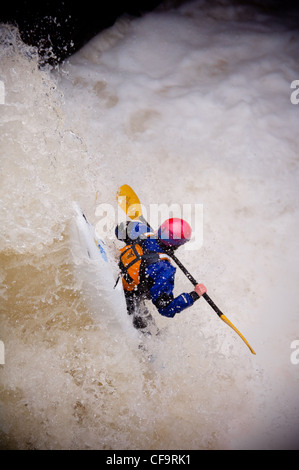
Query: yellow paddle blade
[(226, 320), (129, 202)]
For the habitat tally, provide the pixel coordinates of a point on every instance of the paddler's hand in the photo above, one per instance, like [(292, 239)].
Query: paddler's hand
[(200, 289)]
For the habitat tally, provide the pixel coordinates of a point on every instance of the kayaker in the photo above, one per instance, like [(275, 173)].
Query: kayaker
[(147, 272)]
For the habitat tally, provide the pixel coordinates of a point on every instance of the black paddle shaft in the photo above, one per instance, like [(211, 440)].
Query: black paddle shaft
[(194, 282)]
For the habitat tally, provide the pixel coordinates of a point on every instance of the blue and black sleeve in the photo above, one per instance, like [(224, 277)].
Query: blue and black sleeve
[(162, 274)]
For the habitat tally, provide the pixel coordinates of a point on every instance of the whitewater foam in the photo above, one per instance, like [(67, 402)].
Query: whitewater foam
[(187, 106)]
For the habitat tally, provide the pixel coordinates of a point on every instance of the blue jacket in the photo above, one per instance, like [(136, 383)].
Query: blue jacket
[(160, 277)]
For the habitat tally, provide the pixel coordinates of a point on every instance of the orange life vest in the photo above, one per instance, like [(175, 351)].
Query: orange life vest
[(133, 261)]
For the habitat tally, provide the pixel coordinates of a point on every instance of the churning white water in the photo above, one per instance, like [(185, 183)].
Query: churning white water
[(188, 106)]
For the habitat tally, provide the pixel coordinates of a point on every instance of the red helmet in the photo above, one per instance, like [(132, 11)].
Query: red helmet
[(174, 232)]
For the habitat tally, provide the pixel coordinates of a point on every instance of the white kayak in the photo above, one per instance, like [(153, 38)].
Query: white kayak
[(97, 274)]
